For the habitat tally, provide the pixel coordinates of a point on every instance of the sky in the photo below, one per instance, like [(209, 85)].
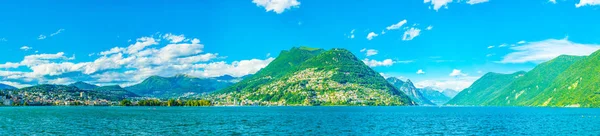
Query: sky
[(445, 44)]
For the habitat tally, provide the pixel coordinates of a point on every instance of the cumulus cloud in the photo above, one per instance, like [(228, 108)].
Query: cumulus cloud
[(369, 52), (371, 35), (375, 63), (131, 64), (437, 4), (411, 34), (586, 3), (420, 71), (472, 2), (25, 48), (277, 6), (429, 28), (457, 73), (397, 25), (545, 50)]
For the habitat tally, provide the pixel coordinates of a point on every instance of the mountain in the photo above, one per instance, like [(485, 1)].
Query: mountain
[(435, 96), (552, 83), (229, 78), (310, 76), (4, 86), (84, 85), (114, 93), (156, 86), (485, 89), (577, 86), (521, 91), (450, 93), (409, 89)]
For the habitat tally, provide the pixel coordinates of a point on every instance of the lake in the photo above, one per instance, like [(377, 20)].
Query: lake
[(298, 121)]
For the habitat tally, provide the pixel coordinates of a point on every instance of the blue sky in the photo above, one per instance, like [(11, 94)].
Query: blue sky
[(62, 42)]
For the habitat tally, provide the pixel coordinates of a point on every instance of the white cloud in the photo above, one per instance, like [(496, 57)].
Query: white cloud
[(277, 6), (420, 71), (371, 35), (552, 1), (397, 25), (174, 38), (521, 42), (352, 34), (131, 64), (25, 48), (491, 46), (41, 37), (15, 84), (268, 54), (472, 2), (57, 32), (411, 34), (429, 27), (437, 4), (457, 73), (587, 3), (503, 45), (370, 52), (375, 63), (546, 50)]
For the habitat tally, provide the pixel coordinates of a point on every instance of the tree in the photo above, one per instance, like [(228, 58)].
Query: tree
[(125, 102)]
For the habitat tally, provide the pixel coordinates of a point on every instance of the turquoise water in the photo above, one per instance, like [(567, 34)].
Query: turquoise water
[(298, 121)]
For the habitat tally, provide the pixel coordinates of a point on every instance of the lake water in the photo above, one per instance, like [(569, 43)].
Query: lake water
[(298, 121)]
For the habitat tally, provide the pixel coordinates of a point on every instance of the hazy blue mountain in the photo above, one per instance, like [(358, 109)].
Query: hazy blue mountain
[(409, 89), (435, 96), (178, 85), (4, 86), (84, 85)]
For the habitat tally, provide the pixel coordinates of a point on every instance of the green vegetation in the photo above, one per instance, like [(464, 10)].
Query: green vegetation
[(485, 89), (84, 85), (566, 81), (308, 76), (409, 89), (166, 87)]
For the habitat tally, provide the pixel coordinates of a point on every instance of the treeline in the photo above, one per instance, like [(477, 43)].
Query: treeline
[(170, 102)]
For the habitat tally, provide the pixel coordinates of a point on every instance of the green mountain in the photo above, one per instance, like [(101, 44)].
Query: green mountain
[(84, 85), (309, 76), (521, 91), (553, 83), (3, 87), (285, 63), (435, 96), (156, 86), (113, 93), (485, 89), (577, 86), (450, 93), (409, 89)]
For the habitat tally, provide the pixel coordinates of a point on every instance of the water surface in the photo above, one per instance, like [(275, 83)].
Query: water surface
[(298, 121)]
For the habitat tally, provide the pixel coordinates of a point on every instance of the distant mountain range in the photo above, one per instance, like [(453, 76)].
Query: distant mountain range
[(179, 85), (566, 81), (311, 76), (409, 89), (4, 86)]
